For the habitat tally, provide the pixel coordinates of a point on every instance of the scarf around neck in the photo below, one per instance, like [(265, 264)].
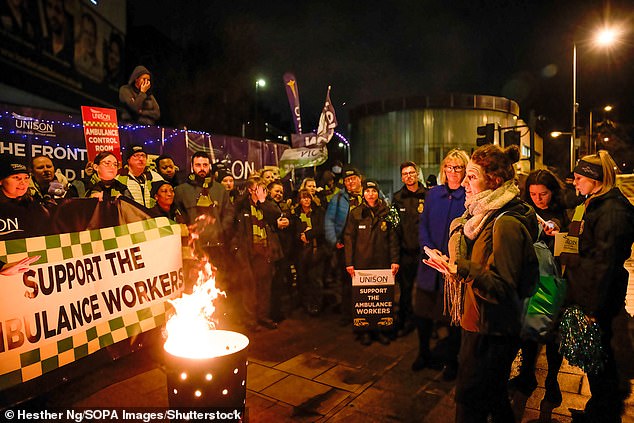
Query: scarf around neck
[(483, 204)]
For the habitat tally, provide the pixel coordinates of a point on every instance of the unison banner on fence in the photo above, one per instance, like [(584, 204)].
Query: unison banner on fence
[(88, 290), (27, 132)]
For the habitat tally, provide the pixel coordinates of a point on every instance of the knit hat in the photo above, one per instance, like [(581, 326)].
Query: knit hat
[(222, 174), (371, 183), (156, 186), (350, 171), (8, 168), (133, 149)]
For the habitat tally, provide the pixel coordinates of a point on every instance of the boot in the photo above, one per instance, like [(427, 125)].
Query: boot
[(518, 404), (424, 328)]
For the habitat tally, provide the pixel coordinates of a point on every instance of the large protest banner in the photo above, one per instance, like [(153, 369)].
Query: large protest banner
[(88, 290), (373, 298)]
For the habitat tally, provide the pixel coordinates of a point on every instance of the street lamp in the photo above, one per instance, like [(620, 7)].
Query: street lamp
[(604, 38), (259, 83), (605, 109)]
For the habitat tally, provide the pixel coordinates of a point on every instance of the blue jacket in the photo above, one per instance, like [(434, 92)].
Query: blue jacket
[(336, 215), (441, 207)]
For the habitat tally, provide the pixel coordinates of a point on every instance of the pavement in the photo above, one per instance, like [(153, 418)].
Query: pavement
[(313, 370)]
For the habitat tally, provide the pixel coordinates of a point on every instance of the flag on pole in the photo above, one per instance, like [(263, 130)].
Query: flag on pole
[(292, 92), (327, 120)]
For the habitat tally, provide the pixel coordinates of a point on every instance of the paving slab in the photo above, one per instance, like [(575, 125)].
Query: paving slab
[(306, 365), (347, 378), (260, 377), (306, 395)]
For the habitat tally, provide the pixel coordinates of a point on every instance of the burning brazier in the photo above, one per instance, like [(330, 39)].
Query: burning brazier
[(205, 367), (211, 375)]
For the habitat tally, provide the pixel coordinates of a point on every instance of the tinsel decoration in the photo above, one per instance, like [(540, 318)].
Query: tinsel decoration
[(393, 218), (453, 298), (581, 341)]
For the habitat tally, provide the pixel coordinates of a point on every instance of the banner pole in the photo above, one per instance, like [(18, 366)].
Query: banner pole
[(162, 139), (211, 150)]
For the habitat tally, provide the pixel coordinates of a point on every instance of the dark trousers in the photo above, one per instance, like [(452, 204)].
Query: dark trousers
[(310, 276), (405, 279), (483, 373), (608, 390), (256, 293), (526, 380), (281, 290), (346, 284)]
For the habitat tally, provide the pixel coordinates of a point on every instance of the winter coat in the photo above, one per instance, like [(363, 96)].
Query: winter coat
[(597, 277), (173, 214), (272, 211), (22, 217), (315, 236), (243, 239), (186, 197), (66, 189), (370, 241), (500, 270), (140, 107), (111, 190), (409, 206), (441, 208), (140, 191), (336, 215)]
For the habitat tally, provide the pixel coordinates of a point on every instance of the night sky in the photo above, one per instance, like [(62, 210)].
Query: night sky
[(370, 50)]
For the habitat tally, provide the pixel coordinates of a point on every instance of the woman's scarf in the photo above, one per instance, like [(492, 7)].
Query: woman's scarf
[(483, 204), (479, 208)]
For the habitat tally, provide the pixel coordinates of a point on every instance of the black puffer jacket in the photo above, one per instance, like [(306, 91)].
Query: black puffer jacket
[(500, 269), (370, 241), (409, 206), (597, 276)]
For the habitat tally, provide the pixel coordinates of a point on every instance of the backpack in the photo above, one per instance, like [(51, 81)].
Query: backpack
[(541, 309)]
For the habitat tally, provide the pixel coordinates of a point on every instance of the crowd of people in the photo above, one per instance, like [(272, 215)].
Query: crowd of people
[(461, 251)]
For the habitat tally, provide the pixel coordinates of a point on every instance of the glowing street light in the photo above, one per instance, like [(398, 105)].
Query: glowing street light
[(607, 36), (604, 38), (259, 83)]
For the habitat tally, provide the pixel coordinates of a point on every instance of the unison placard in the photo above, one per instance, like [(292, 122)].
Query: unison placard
[(373, 298)]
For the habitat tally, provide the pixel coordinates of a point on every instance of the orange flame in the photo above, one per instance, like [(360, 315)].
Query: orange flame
[(189, 328)]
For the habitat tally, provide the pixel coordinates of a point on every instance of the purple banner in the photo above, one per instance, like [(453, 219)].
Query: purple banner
[(27, 132), (292, 92)]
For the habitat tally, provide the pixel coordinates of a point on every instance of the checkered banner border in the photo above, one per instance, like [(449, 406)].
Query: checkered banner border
[(20, 367), (100, 124), (53, 248)]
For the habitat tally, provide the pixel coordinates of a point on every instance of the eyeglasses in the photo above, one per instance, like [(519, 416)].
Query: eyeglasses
[(412, 173), (456, 169), (109, 164)]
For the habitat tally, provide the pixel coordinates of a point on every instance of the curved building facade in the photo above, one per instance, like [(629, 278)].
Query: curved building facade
[(422, 129)]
